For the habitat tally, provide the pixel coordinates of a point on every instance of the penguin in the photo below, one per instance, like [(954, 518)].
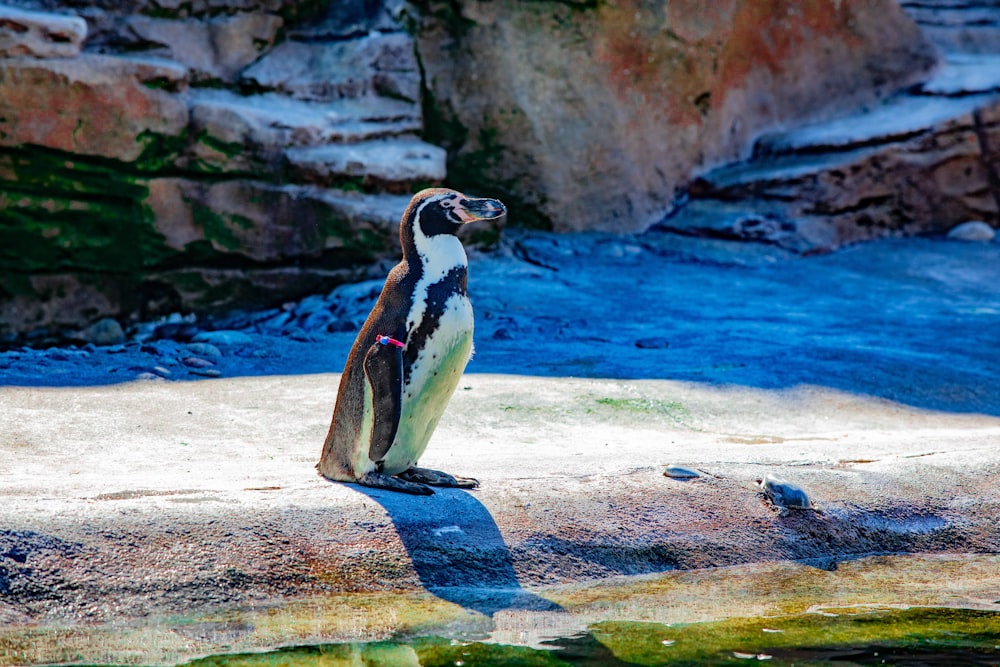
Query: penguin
[(411, 352)]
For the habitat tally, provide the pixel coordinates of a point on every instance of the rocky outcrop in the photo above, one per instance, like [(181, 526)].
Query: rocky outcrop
[(924, 161), (213, 154), (28, 33), (593, 115), (193, 157), (962, 26)]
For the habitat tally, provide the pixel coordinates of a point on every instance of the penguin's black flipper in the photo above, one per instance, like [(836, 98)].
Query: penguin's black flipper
[(384, 372)]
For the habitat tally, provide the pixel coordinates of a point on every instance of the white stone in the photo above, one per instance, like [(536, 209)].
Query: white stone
[(215, 49), (973, 230), (397, 160), (40, 34)]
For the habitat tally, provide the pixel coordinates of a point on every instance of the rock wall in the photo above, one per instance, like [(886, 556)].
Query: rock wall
[(161, 156), (592, 114)]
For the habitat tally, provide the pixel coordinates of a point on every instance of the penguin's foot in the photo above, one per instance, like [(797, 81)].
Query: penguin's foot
[(437, 478), (378, 480)]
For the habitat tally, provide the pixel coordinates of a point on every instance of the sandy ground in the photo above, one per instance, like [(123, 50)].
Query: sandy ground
[(868, 377)]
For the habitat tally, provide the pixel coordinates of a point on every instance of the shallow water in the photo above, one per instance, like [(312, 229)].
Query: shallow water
[(855, 635), (899, 610)]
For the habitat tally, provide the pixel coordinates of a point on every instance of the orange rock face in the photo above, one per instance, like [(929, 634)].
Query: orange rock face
[(596, 116), (92, 105)]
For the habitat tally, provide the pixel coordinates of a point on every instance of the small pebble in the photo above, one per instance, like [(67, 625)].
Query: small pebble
[(204, 349), (206, 372), (652, 343), (161, 371), (316, 320), (974, 230), (105, 331), (680, 472), (310, 304), (274, 324), (147, 377), (196, 362), (785, 494)]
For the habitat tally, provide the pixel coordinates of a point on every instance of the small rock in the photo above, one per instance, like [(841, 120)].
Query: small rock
[(503, 334), (652, 343), (785, 494), (206, 372), (204, 349), (40, 34), (973, 230), (162, 372), (310, 305), (197, 362), (147, 377), (363, 291), (316, 320), (223, 337), (680, 472), (105, 331), (274, 324)]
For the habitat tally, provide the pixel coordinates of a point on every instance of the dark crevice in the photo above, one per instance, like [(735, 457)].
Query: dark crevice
[(762, 150), (864, 204)]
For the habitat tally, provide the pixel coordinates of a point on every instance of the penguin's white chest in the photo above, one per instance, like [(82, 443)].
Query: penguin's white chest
[(432, 379)]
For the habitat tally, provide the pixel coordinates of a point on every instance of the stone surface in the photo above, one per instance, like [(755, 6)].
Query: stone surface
[(232, 243), (217, 49), (973, 230), (963, 74), (594, 115), (105, 331), (93, 105), (40, 34), (862, 375), (969, 26), (380, 63), (150, 174), (397, 164), (237, 133), (918, 164)]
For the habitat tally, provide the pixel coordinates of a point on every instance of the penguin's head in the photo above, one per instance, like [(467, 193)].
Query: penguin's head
[(439, 211)]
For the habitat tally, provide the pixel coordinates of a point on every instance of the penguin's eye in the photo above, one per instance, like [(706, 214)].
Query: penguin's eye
[(447, 203)]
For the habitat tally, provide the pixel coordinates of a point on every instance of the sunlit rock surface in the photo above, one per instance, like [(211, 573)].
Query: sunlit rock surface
[(595, 115)]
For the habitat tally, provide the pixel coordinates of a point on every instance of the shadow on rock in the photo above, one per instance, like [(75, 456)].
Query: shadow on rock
[(457, 550)]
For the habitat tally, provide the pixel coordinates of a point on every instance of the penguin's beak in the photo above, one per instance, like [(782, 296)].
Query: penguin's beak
[(471, 210)]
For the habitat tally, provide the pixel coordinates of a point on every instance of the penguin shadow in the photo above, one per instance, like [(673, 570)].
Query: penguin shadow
[(458, 551)]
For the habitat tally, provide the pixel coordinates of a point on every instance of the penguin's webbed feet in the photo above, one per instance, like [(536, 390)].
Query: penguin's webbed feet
[(437, 478), (378, 480)]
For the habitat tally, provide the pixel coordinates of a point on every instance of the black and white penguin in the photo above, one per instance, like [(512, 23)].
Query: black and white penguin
[(410, 354)]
